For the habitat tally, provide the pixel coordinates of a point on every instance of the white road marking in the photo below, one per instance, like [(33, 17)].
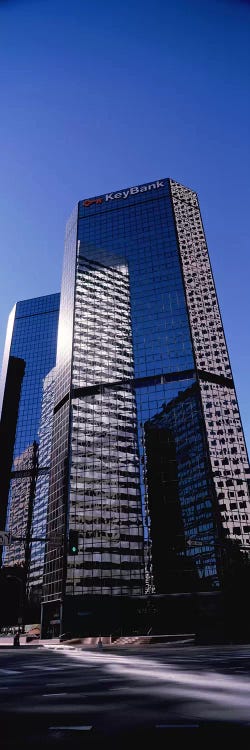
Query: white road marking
[(9, 671), (53, 695), (77, 728)]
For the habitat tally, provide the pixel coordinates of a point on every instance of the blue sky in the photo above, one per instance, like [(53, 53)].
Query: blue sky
[(98, 95)]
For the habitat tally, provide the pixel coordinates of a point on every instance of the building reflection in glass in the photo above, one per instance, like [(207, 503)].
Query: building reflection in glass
[(179, 497), (39, 518), (105, 500), (105, 495), (29, 354), (21, 504)]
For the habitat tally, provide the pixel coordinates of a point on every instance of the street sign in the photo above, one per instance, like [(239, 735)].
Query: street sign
[(7, 538), (4, 538)]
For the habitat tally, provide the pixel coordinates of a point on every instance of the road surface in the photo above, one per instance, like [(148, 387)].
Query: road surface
[(64, 698)]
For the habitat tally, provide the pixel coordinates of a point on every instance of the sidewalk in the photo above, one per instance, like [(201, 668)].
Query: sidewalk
[(7, 642), (125, 641), (100, 641)]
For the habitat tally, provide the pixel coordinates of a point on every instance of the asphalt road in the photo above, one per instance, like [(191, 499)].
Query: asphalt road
[(67, 698)]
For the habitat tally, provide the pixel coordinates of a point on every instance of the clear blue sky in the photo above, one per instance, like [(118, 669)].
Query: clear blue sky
[(104, 94)]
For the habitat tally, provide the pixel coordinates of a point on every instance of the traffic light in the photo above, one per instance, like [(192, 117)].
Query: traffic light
[(73, 542)]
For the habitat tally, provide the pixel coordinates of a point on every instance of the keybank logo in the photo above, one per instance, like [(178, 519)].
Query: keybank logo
[(125, 193), (89, 201)]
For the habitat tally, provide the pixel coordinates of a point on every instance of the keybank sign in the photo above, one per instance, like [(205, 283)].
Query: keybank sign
[(134, 190), (125, 193)]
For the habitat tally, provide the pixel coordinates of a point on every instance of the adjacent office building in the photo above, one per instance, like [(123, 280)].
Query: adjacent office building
[(9, 413), (29, 354), (147, 443)]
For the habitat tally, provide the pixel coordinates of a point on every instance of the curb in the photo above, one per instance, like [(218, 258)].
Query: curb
[(114, 646)]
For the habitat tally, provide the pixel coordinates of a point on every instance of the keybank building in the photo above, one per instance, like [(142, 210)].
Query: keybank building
[(147, 445)]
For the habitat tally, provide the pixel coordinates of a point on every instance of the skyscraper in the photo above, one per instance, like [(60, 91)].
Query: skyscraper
[(30, 351), (10, 405), (147, 431)]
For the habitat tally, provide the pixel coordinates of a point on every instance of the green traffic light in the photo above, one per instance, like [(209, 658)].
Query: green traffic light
[(73, 542)]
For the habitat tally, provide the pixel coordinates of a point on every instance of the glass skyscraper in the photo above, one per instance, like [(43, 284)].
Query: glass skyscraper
[(30, 352), (147, 446)]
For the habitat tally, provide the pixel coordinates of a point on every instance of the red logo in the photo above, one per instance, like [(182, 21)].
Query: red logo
[(92, 200)]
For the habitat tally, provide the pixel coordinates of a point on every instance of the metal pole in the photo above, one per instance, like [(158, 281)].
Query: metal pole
[(21, 599)]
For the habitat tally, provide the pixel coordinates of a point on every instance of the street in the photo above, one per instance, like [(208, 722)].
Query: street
[(54, 696)]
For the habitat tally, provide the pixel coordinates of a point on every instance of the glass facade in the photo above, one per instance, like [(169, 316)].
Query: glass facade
[(21, 505), (40, 505), (34, 339), (105, 501), (143, 389), (31, 339), (180, 496)]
